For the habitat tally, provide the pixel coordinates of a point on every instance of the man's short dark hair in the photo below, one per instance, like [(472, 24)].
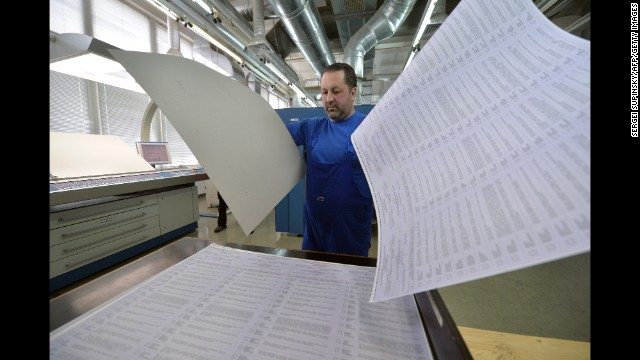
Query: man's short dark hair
[(349, 74)]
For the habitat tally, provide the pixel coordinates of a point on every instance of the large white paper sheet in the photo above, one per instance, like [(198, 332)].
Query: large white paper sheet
[(74, 155), (237, 137), (223, 303), (478, 156)]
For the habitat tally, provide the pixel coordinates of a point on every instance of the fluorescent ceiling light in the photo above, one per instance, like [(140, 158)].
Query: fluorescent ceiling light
[(426, 18), (277, 72), (88, 58), (298, 91), (217, 43), (261, 74), (203, 5), (411, 55), (163, 9), (424, 22)]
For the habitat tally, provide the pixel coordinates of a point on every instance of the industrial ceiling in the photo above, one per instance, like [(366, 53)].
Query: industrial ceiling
[(300, 37)]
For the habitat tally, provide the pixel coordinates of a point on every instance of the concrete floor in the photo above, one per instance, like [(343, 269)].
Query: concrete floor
[(548, 300)]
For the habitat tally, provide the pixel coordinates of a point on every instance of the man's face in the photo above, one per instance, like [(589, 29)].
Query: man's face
[(337, 98)]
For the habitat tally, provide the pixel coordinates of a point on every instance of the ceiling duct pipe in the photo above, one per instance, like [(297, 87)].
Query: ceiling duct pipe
[(193, 13), (258, 21), (227, 10), (246, 11), (259, 41), (383, 24), (302, 22), (280, 40), (185, 10), (174, 37), (277, 36)]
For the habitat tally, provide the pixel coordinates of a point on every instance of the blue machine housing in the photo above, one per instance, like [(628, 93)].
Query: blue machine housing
[(289, 211)]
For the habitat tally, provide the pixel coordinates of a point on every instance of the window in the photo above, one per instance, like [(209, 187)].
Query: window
[(81, 106)]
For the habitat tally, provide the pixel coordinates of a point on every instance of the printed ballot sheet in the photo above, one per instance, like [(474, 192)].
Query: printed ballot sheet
[(478, 156), (224, 303)]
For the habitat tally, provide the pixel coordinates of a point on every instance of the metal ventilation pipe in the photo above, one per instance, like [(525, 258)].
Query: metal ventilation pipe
[(246, 10), (227, 10), (174, 37), (194, 14), (277, 38), (302, 22), (383, 24), (259, 41), (258, 20)]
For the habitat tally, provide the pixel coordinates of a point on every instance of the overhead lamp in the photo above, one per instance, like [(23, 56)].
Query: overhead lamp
[(203, 5), (209, 10), (82, 56), (261, 74), (426, 18), (277, 72), (165, 10), (303, 97), (413, 53), (298, 91), (217, 43)]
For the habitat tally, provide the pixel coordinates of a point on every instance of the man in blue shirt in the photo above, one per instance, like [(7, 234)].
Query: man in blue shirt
[(338, 204)]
